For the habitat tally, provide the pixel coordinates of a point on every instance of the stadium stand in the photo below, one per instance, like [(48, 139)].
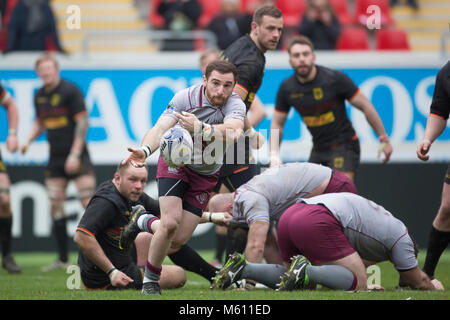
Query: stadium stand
[(292, 11), (353, 38), (391, 39), (210, 9), (362, 14), (424, 27), (102, 16), (342, 11)]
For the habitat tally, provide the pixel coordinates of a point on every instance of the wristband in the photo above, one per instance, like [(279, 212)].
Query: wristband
[(384, 138), (147, 150), (12, 132), (251, 132), (73, 154), (207, 131), (111, 273), (216, 217)]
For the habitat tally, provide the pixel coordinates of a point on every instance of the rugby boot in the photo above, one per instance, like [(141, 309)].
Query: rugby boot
[(10, 264), (295, 277), (151, 288), (131, 230), (230, 273)]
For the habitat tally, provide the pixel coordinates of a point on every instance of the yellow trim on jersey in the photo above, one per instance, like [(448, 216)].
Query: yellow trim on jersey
[(317, 121), (55, 122)]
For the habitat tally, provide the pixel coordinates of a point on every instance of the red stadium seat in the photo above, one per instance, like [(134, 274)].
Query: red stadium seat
[(353, 39), (341, 9), (210, 8), (391, 39), (154, 18), (292, 10), (361, 13), (249, 6)]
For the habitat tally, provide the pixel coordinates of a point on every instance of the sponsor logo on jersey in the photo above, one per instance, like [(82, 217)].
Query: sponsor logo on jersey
[(320, 120), (318, 93)]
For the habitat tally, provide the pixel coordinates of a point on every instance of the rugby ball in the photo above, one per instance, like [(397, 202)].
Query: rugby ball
[(176, 147)]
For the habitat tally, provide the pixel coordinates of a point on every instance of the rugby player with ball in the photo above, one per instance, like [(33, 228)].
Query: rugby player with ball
[(214, 116)]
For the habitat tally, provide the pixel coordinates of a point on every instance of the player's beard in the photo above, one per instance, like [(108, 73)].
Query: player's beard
[(304, 72), (215, 100)]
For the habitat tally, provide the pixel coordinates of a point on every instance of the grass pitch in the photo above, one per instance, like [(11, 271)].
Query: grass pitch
[(33, 284)]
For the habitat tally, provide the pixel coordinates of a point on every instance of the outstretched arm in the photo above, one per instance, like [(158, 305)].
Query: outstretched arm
[(150, 142), (362, 103)]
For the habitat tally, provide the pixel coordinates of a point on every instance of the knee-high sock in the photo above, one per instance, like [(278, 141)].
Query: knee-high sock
[(267, 274), (190, 260), (437, 242), (5, 235), (60, 230), (331, 276), (221, 241)]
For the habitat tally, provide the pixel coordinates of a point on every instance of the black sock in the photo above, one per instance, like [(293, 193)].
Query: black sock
[(221, 241), (5, 235), (190, 260), (437, 242), (236, 241), (60, 230)]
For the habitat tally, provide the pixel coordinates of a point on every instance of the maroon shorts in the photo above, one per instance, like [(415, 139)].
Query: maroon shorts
[(340, 182), (312, 231), (199, 186)]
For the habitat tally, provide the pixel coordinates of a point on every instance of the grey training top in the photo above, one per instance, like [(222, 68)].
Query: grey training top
[(208, 155), (266, 196), (372, 230)]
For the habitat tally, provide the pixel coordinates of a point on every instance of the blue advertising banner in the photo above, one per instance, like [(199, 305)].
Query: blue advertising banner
[(124, 103)]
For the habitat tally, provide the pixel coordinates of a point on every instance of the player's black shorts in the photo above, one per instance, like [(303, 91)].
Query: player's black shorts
[(2, 164), (100, 280), (55, 167), (238, 177), (447, 175), (343, 157)]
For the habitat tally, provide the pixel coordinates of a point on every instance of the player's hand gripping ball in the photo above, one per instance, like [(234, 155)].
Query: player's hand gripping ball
[(176, 147)]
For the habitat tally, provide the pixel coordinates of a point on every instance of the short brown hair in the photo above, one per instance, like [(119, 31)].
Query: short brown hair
[(122, 166), (46, 57), (300, 40), (270, 11), (221, 66), (208, 52)]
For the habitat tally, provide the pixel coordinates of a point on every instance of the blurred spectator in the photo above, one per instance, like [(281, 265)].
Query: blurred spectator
[(32, 27), (412, 3), (230, 24), (6, 7), (179, 15), (321, 25)]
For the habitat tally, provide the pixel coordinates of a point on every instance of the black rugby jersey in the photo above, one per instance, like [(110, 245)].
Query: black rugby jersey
[(250, 63), (58, 109), (321, 104), (104, 218), (440, 104)]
